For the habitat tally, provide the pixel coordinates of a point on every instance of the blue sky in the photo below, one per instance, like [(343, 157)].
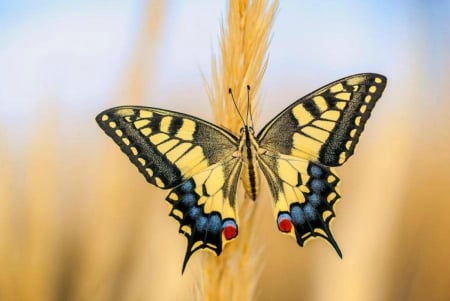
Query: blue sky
[(78, 51)]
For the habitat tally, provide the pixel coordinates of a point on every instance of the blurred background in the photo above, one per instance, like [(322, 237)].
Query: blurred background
[(78, 222)]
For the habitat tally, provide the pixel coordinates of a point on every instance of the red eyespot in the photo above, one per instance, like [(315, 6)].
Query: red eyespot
[(229, 230), (285, 225)]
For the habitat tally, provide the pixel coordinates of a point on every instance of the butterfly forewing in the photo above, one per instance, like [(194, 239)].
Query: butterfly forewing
[(167, 147), (325, 125)]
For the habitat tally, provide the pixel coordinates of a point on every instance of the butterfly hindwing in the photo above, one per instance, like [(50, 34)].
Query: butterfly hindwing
[(305, 194), (204, 205), (325, 125)]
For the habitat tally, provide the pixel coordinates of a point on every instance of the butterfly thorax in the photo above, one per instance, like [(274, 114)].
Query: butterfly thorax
[(248, 151)]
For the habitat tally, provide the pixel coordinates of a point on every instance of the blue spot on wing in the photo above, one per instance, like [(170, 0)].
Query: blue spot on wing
[(214, 224), (314, 199), (188, 200), (194, 212), (298, 217), (201, 223), (315, 171), (229, 222), (317, 185), (283, 216), (187, 186), (310, 212)]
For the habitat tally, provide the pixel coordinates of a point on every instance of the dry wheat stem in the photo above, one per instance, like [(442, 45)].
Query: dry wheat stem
[(242, 61)]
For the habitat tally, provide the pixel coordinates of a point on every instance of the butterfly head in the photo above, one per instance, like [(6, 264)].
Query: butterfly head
[(247, 130)]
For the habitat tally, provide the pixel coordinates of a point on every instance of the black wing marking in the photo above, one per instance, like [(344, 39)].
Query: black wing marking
[(204, 205), (167, 147), (325, 125), (305, 194)]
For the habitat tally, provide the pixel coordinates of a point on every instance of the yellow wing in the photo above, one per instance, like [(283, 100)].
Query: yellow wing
[(300, 144), (192, 157), (325, 125)]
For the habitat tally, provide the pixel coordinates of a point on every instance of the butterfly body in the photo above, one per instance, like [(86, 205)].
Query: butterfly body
[(248, 150), (201, 163)]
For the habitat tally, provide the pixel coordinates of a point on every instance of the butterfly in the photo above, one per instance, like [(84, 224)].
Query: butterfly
[(201, 163)]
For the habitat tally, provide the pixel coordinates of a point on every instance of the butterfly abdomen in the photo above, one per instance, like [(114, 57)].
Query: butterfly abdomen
[(250, 171), (250, 179)]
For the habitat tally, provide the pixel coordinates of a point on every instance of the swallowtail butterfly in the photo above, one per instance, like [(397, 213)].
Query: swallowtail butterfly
[(201, 163)]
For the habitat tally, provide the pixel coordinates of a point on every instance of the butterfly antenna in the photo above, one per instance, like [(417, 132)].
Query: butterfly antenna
[(235, 105), (249, 108)]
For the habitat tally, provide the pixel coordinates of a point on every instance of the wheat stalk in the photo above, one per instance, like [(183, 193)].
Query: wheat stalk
[(243, 59)]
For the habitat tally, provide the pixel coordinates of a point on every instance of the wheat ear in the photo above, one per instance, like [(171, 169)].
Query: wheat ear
[(242, 61)]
